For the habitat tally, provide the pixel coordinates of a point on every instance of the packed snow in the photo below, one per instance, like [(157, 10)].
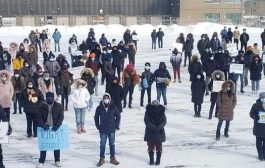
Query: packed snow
[(190, 141)]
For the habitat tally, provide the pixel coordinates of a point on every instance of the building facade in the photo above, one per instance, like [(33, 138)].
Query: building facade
[(218, 11)]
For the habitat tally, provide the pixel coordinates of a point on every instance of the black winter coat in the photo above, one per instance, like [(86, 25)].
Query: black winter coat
[(91, 83), (116, 93), (57, 114), (155, 121), (255, 70), (188, 46), (160, 35), (197, 90), (149, 76), (258, 129), (116, 58), (210, 66), (29, 106), (161, 73), (107, 121), (194, 68), (247, 58), (244, 37)]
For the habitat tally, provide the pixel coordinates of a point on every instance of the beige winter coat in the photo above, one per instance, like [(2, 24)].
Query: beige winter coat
[(6, 90)]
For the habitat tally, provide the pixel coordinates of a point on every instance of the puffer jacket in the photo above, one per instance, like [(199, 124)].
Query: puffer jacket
[(65, 81), (88, 76), (6, 90), (259, 128), (80, 96), (52, 67)]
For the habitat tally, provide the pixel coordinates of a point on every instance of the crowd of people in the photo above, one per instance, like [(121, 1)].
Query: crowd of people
[(42, 91)]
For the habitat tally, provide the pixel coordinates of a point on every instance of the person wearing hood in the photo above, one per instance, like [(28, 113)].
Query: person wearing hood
[(236, 35), (162, 79), (73, 39), (131, 51), (32, 57), (255, 73), (160, 34), (130, 79), (215, 42), (257, 113), (226, 101), (95, 66), (210, 66), (153, 37), (240, 60), (197, 93), (244, 38), (31, 98), (6, 59), (61, 59), (181, 39), (122, 48), (187, 47), (26, 44), (50, 114), (103, 41), (80, 97), (43, 36), (22, 51), (217, 75), (13, 49), (26, 71), (66, 80), (116, 63), (155, 121), (37, 74), (175, 60), (147, 79), (262, 36), (83, 46), (105, 61), (46, 84), (19, 85), (56, 37), (18, 63), (195, 66), (232, 75), (107, 120), (229, 35), (7, 92), (224, 37), (116, 92), (127, 36), (248, 55), (88, 76), (202, 44)]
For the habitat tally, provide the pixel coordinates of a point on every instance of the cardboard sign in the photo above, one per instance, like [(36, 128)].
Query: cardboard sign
[(53, 140), (178, 46), (261, 117), (236, 68), (231, 47), (3, 131), (134, 37), (217, 86)]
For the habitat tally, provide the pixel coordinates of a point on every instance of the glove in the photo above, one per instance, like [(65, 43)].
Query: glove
[(55, 128), (46, 127)]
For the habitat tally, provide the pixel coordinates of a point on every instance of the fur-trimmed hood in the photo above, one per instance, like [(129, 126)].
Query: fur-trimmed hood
[(87, 71), (219, 73), (8, 76), (80, 81), (228, 82), (32, 47)]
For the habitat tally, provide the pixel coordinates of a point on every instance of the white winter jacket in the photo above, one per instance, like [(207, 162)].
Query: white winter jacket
[(80, 97)]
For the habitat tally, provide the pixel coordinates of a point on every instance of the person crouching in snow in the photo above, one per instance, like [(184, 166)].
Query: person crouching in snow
[(129, 79), (50, 115), (257, 114), (175, 60), (155, 121), (226, 101), (3, 118), (80, 97), (107, 121), (198, 90)]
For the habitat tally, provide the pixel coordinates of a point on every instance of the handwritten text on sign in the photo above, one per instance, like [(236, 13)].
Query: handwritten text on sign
[(53, 140), (236, 68)]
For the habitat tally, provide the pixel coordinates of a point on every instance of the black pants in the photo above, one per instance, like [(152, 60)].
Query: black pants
[(211, 109), (160, 43), (43, 156), (243, 45), (197, 108), (236, 41), (64, 99), (1, 155), (17, 100), (264, 69), (148, 95), (226, 72), (132, 59), (118, 69), (38, 44), (7, 113), (260, 145), (103, 75), (56, 83), (31, 118), (220, 123), (108, 82), (127, 89), (187, 55)]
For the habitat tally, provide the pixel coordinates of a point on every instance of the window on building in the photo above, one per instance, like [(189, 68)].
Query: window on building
[(234, 18), (212, 17), (233, 1), (212, 1)]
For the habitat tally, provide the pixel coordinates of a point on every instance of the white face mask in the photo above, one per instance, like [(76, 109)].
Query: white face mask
[(262, 100), (80, 86), (109, 51), (3, 78), (106, 101), (93, 59), (198, 76), (16, 75), (147, 67), (218, 76), (228, 88), (46, 78), (203, 38), (104, 52), (211, 58), (27, 65)]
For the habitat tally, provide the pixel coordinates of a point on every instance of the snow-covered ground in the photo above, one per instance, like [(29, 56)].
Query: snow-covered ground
[(190, 141)]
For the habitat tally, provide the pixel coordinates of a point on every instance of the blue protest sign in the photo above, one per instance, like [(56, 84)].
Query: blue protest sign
[(53, 140)]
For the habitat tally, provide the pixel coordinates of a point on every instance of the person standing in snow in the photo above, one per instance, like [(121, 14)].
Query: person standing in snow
[(153, 37), (116, 92), (107, 121), (80, 97), (134, 36), (224, 37), (103, 41), (50, 114), (162, 78), (188, 47), (226, 101), (95, 66), (197, 93), (131, 51), (210, 66), (229, 35), (195, 66), (155, 121), (147, 79), (160, 34), (248, 55), (244, 38), (257, 114), (57, 37), (18, 84), (175, 60), (255, 73), (262, 36), (236, 35), (127, 36)]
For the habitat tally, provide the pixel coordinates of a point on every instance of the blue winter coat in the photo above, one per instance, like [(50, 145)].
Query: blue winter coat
[(56, 36)]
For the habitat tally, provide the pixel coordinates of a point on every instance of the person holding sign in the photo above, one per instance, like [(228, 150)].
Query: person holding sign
[(257, 113), (147, 79), (226, 101), (51, 114), (107, 121), (255, 73)]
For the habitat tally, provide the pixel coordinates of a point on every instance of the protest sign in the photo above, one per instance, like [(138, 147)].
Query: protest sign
[(217, 86), (178, 46), (3, 131), (261, 117), (50, 140), (231, 47), (236, 68)]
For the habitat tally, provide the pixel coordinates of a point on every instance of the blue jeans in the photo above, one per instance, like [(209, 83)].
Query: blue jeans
[(162, 91), (255, 85), (103, 140), (57, 43), (241, 81), (153, 43), (80, 114)]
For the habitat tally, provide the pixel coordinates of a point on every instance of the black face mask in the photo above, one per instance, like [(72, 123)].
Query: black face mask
[(49, 100)]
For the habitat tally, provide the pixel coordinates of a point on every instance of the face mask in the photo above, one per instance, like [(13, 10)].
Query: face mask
[(217, 76), (26, 65), (233, 60), (109, 51), (162, 67), (147, 67), (203, 38), (16, 75), (198, 76), (219, 51), (30, 86), (244, 31), (46, 78), (92, 59), (80, 86), (262, 100), (214, 38), (211, 58), (106, 101), (115, 82), (228, 88), (104, 52), (49, 100), (256, 61), (3, 78)]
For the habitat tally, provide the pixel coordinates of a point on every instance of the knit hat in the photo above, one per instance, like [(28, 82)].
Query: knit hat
[(130, 67), (38, 68), (262, 95), (49, 95), (147, 64)]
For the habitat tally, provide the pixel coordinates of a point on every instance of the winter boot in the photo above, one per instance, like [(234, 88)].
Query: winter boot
[(260, 155), (58, 164), (158, 157), (66, 108), (151, 156), (217, 135), (83, 130), (174, 81), (114, 161), (79, 130), (179, 81), (226, 133), (100, 162)]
